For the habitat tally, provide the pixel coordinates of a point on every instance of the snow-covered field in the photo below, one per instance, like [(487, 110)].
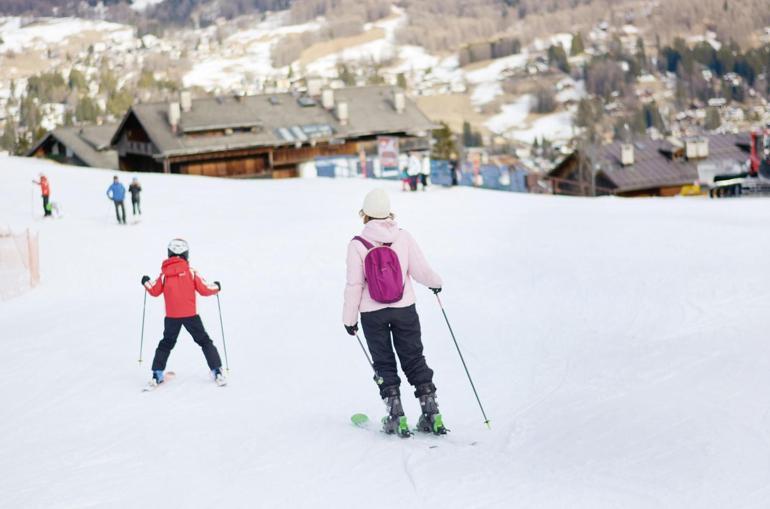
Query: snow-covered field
[(16, 35), (620, 348)]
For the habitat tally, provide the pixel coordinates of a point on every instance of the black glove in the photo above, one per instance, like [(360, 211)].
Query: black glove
[(435, 291), (352, 329), (145, 279), (218, 285)]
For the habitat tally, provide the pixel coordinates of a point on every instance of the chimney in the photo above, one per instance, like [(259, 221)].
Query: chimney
[(703, 148), (626, 154), (399, 101), (342, 113), (691, 148), (173, 116), (327, 99), (185, 101), (314, 87)]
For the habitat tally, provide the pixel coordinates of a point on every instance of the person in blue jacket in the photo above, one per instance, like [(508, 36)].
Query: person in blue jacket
[(117, 193)]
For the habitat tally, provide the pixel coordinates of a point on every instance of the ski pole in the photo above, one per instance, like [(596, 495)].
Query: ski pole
[(224, 343), (377, 378), (465, 366), (141, 340)]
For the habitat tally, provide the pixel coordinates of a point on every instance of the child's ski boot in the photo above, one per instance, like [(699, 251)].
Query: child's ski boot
[(395, 421), (430, 419), (219, 377), (155, 381)]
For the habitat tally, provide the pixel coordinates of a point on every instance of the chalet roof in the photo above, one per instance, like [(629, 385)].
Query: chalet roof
[(90, 144), (274, 120), (654, 167)]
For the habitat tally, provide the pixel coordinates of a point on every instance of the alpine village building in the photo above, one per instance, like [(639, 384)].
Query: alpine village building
[(266, 135), (78, 146)]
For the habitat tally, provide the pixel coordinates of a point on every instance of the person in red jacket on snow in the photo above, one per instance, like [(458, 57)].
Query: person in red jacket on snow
[(45, 192), (178, 284)]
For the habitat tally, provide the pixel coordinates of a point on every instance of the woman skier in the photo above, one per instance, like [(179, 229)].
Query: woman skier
[(380, 265), (178, 284)]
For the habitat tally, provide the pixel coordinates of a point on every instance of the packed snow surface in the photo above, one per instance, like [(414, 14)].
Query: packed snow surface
[(620, 348)]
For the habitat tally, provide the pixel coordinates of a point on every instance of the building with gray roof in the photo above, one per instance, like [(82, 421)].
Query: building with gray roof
[(80, 146), (267, 135), (647, 167)]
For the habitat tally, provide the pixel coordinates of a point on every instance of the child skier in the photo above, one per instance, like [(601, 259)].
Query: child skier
[(386, 302), (178, 284)]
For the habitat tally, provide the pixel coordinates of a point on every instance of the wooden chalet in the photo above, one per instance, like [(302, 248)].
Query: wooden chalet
[(266, 135), (79, 146), (644, 168)]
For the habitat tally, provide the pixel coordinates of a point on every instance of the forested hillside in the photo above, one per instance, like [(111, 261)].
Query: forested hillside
[(462, 21)]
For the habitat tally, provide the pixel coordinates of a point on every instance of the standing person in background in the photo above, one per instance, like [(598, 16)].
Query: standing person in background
[(388, 314), (135, 189), (425, 171), (413, 169), (117, 193), (45, 191)]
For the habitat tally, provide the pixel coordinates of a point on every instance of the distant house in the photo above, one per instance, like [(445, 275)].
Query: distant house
[(80, 146), (266, 135), (646, 167)]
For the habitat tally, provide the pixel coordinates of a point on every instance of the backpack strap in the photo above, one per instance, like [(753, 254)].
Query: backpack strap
[(368, 245)]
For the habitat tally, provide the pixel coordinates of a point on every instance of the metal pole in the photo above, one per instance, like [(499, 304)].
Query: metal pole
[(224, 343), (141, 340), (377, 378), (465, 366)]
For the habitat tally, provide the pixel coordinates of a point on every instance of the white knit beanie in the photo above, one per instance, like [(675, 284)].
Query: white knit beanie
[(377, 204)]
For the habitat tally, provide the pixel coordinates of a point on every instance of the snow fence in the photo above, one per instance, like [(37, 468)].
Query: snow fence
[(19, 263)]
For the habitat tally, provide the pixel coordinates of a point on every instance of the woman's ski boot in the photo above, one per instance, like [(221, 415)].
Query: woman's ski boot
[(430, 419), (395, 422)]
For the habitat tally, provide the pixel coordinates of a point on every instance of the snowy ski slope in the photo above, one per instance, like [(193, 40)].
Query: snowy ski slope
[(620, 348)]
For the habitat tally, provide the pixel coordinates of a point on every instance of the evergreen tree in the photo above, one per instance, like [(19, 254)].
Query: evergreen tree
[(641, 55), (713, 119), (119, 103), (87, 110), (577, 47), (77, 81), (471, 138), (8, 140), (401, 80), (344, 74), (557, 57), (444, 143)]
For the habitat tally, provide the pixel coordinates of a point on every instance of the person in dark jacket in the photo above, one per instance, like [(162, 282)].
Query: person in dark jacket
[(117, 193), (135, 189)]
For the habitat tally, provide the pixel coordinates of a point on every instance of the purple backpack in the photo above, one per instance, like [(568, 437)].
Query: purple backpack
[(383, 272)]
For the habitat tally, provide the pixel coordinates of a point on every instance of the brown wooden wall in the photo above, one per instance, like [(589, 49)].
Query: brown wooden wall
[(133, 162), (257, 165)]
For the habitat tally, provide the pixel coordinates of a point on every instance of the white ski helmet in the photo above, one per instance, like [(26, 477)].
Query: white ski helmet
[(178, 247)]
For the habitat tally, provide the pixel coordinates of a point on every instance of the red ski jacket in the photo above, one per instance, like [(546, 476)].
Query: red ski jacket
[(44, 189), (178, 284)]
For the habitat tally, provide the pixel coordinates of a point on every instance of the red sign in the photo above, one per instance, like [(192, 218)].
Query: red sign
[(387, 150)]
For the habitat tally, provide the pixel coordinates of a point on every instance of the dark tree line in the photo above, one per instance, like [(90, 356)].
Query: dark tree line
[(729, 58)]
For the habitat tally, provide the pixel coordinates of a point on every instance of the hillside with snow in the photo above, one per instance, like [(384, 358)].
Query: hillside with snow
[(619, 347)]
